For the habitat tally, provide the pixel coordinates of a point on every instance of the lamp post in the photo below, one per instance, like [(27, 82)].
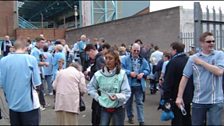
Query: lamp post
[(42, 20), (76, 14)]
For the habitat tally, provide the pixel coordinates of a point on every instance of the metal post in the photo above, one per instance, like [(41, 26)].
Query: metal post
[(80, 14), (16, 10), (207, 15), (220, 29), (76, 14), (105, 11), (197, 24), (116, 9), (42, 20), (64, 21), (214, 26)]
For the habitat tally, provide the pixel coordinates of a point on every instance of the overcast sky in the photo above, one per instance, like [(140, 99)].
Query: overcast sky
[(158, 5)]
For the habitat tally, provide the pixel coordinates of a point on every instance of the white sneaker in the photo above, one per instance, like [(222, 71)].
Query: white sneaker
[(42, 108), (51, 93), (47, 105)]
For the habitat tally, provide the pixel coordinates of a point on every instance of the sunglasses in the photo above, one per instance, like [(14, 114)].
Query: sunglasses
[(136, 50), (210, 41)]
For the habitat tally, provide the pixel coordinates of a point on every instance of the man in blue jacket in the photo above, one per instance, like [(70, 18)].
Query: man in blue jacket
[(137, 70)]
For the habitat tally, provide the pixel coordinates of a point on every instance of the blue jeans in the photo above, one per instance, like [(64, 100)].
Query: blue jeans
[(138, 93), (213, 112), (117, 116), (48, 79)]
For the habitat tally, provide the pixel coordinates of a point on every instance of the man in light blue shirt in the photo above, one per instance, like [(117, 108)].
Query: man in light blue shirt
[(83, 56), (58, 55), (19, 76), (38, 54), (48, 69), (207, 68)]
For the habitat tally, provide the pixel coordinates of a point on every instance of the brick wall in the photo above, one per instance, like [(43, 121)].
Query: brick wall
[(160, 27), (50, 34), (7, 19)]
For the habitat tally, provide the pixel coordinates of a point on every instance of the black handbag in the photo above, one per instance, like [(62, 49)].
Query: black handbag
[(82, 106)]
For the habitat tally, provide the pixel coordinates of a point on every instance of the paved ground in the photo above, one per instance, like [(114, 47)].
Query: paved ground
[(152, 115)]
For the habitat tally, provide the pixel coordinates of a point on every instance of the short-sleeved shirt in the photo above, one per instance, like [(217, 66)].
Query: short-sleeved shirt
[(15, 79), (56, 58), (207, 86), (36, 53), (81, 45), (49, 59), (164, 66)]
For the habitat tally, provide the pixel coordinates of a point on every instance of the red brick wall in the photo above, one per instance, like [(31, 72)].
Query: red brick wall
[(7, 18), (50, 33)]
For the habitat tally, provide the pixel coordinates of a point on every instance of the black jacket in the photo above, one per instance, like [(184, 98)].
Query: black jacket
[(98, 64), (173, 75)]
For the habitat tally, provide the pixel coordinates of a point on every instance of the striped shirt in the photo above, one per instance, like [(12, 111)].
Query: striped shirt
[(207, 86)]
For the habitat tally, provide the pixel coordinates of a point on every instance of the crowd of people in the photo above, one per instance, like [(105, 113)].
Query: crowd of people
[(115, 77)]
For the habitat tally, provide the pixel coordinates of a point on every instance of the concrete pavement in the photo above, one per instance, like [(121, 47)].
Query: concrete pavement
[(152, 115)]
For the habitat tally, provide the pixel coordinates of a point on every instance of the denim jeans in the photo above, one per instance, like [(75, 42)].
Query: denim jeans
[(212, 111), (48, 80), (138, 93), (117, 116)]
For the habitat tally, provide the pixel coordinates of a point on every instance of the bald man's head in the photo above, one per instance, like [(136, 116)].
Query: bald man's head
[(135, 50), (6, 37), (136, 45), (83, 37)]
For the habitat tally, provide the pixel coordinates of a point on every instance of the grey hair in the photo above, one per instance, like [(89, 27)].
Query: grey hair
[(76, 65), (59, 47)]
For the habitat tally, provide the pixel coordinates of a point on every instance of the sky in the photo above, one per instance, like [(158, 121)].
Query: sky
[(158, 5)]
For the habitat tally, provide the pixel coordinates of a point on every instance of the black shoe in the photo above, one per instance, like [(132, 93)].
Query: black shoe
[(131, 120), (153, 92), (141, 124)]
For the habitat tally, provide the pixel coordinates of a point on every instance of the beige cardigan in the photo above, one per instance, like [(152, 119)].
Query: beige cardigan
[(68, 83)]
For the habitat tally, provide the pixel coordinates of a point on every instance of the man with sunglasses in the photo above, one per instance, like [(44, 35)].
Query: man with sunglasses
[(207, 67), (137, 69)]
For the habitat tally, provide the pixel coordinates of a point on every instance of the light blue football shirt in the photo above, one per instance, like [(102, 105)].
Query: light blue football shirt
[(15, 79), (49, 58), (207, 86)]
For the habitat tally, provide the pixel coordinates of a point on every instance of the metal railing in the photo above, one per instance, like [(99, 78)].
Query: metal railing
[(208, 22), (25, 24), (204, 21), (187, 39)]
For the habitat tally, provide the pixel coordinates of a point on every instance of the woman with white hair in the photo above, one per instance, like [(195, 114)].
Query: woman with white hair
[(69, 85), (57, 56)]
